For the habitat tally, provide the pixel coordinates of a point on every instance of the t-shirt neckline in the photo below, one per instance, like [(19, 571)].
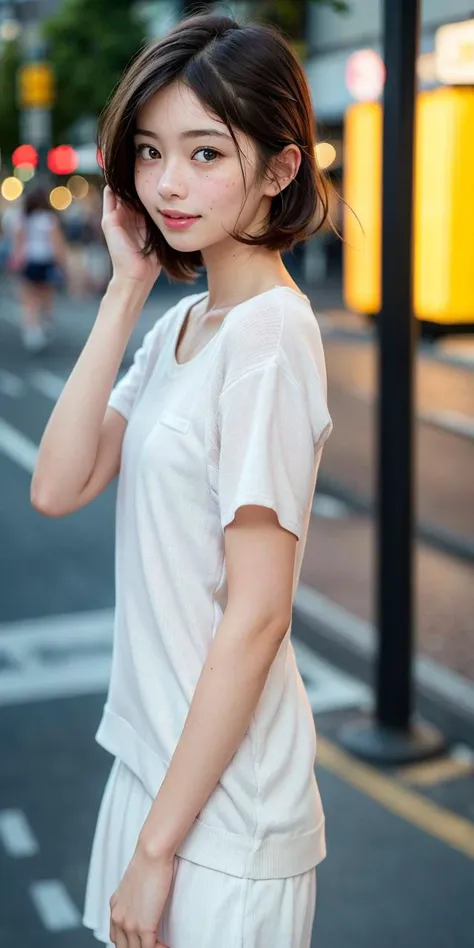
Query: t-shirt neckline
[(175, 366)]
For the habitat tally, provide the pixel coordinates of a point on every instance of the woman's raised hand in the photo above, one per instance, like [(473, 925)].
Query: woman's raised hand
[(124, 230)]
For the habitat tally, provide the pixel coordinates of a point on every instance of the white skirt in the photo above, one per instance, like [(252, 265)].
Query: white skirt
[(202, 903)]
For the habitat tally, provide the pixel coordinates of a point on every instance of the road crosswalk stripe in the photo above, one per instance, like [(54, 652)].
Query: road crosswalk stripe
[(11, 384), (62, 656), (17, 447), (329, 508), (47, 383), (16, 835), (54, 906)]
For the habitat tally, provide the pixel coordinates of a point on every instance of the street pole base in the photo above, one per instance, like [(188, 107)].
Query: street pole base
[(383, 745)]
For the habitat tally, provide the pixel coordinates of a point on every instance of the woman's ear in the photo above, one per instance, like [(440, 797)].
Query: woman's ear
[(283, 169)]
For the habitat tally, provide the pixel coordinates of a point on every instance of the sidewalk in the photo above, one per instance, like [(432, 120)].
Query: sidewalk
[(399, 864)]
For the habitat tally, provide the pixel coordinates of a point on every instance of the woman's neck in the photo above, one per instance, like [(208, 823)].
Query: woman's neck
[(243, 275)]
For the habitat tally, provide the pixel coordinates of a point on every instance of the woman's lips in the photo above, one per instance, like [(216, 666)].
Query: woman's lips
[(178, 223)]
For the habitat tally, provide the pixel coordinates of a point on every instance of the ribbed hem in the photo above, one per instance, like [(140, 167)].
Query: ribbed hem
[(252, 858), (243, 856)]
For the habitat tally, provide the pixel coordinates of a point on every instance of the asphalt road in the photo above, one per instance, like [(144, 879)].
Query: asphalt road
[(401, 845)]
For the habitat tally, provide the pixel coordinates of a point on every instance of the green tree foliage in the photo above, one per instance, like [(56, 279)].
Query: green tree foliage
[(9, 130), (90, 43)]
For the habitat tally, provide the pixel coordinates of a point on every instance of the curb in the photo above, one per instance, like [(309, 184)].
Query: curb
[(440, 695)]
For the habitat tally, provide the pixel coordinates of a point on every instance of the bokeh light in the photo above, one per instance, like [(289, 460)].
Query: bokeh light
[(78, 186), (10, 30), (60, 198), (325, 154), (24, 172), (25, 154), (11, 189), (62, 159), (365, 75)]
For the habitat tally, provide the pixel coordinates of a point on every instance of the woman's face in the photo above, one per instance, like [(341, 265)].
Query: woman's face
[(197, 172)]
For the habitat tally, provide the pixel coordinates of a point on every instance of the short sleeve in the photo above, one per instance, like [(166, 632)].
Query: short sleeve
[(124, 394), (271, 433)]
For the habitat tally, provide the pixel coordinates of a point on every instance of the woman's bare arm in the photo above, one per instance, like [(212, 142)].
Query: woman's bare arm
[(260, 557), (19, 242), (79, 453)]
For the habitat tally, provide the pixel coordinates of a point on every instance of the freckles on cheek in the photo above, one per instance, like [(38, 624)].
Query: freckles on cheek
[(220, 193), (143, 183)]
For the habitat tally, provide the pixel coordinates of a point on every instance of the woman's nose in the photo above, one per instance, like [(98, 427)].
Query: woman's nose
[(171, 181)]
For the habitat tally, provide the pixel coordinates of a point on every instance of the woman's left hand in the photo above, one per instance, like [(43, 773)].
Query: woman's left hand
[(137, 905)]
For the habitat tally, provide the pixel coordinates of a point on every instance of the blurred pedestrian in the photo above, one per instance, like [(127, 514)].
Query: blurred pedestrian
[(11, 213), (74, 228), (96, 255), (39, 249), (211, 824)]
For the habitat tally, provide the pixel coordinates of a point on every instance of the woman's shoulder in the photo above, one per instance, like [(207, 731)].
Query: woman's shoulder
[(277, 325)]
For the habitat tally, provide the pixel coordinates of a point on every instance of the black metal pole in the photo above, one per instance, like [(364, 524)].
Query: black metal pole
[(396, 374), (35, 122), (392, 738)]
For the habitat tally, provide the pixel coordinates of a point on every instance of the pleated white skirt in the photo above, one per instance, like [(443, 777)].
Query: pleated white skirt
[(205, 908)]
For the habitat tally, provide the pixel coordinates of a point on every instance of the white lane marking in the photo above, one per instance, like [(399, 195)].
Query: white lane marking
[(55, 656), (47, 383), (16, 835), (329, 507), (72, 628), (462, 753), (461, 356), (87, 677), (17, 447), (54, 906), (328, 688), (11, 385), (71, 655), (454, 422), (341, 626)]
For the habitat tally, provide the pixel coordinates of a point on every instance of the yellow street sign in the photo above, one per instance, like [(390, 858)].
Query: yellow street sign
[(443, 206), (35, 86)]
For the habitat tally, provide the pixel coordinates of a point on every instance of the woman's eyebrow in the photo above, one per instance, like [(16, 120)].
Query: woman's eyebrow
[(189, 133)]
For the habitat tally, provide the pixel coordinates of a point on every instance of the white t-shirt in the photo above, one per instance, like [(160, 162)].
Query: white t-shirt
[(243, 422), (39, 226)]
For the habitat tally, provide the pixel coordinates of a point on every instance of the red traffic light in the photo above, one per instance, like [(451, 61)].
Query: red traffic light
[(62, 160), (25, 155)]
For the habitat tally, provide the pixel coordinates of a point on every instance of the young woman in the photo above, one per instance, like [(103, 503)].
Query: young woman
[(39, 247), (211, 824)]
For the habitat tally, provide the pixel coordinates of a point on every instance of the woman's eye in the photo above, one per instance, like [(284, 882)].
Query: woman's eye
[(152, 152), (212, 151)]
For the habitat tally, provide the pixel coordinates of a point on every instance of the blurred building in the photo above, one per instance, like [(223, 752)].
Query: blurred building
[(334, 37)]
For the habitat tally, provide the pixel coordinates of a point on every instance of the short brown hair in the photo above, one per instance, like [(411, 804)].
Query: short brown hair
[(248, 76)]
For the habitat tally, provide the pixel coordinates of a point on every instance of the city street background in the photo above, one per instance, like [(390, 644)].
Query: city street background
[(55, 641), (400, 839)]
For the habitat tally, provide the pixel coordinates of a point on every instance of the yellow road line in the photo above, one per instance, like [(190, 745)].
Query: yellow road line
[(426, 815), (435, 771)]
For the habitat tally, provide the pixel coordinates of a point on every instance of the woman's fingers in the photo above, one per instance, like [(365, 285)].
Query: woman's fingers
[(134, 941), (121, 940), (108, 200)]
